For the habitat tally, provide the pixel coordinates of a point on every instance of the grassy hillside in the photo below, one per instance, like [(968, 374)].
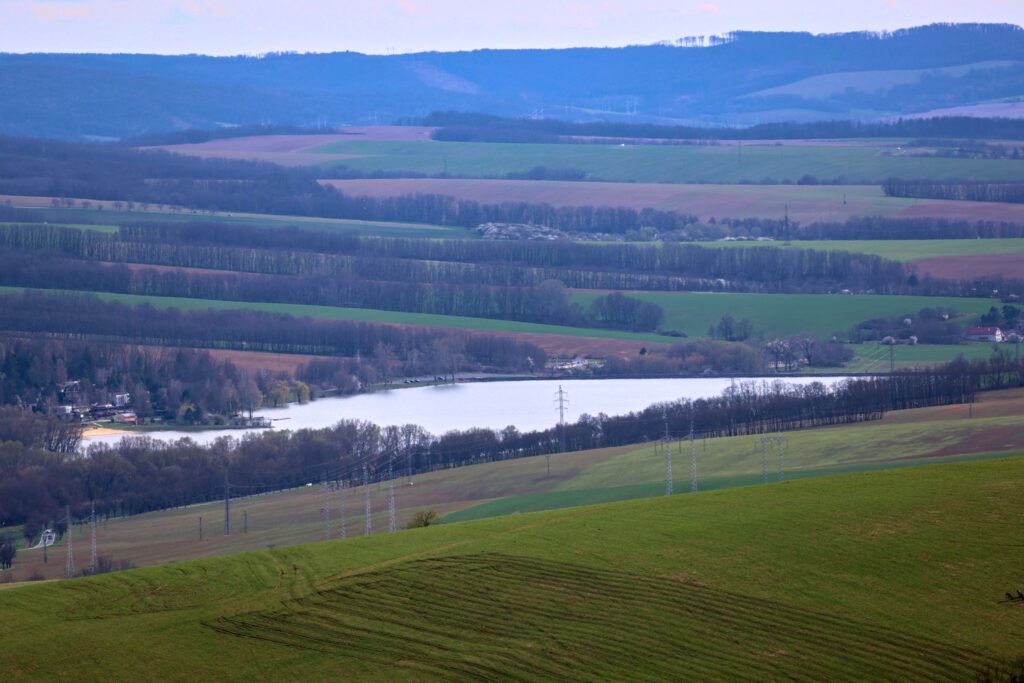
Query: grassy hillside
[(881, 576), (824, 86), (664, 164), (784, 314), (902, 439)]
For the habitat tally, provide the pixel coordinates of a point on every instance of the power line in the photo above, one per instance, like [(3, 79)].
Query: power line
[(664, 444), (69, 568), (780, 443), (764, 458), (392, 521), (366, 511), (341, 507), (93, 558), (227, 504), (693, 458), (325, 511)]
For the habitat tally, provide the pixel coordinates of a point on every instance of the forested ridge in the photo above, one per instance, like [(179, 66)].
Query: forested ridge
[(141, 474)]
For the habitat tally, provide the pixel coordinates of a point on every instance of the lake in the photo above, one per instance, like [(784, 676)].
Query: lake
[(528, 405)]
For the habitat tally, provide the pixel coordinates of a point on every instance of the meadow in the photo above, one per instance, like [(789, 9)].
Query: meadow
[(872, 358), (897, 574), (787, 314), (857, 164)]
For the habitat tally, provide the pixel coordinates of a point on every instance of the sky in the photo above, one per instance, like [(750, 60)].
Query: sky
[(224, 27)]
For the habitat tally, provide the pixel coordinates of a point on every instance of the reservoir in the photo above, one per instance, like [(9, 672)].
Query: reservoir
[(527, 405)]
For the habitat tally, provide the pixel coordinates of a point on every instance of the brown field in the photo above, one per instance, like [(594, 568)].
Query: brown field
[(263, 360), (805, 203), (967, 267), (290, 150), (966, 211), (1007, 403)]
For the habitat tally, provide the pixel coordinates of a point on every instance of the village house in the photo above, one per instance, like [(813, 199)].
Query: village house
[(985, 334)]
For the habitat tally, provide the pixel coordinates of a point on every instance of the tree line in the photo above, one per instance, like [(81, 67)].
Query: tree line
[(504, 263), (957, 190), (140, 474), (549, 302), (478, 127), (76, 316)]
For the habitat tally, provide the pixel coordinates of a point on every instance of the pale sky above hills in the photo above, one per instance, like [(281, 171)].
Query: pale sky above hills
[(383, 26)]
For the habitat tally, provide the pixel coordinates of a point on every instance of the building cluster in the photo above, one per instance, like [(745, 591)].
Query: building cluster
[(71, 406), (991, 334)]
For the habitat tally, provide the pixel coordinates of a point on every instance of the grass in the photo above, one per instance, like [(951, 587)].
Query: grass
[(875, 358), (111, 218), (663, 164), (362, 315), (692, 313), (786, 314), (897, 250), (906, 438), (97, 227), (879, 576)]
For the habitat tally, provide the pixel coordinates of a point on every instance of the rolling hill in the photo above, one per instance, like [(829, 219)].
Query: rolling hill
[(897, 574), (120, 95)]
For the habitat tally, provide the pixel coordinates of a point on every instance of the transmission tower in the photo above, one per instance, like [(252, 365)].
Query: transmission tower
[(325, 491), (341, 508), (366, 512), (664, 444), (70, 568), (561, 402), (693, 459), (93, 557), (227, 504), (780, 444), (392, 521), (764, 458)]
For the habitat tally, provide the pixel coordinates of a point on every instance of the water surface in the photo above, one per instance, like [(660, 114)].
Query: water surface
[(527, 405)]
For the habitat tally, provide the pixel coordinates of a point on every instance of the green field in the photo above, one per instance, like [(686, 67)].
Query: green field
[(875, 357), (895, 575), (364, 315), (786, 314), (897, 250), (111, 218), (692, 313), (664, 164), (98, 227)]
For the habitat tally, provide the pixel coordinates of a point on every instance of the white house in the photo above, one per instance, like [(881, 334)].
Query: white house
[(985, 334)]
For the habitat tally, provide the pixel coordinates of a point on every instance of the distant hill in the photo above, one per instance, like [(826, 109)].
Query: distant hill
[(740, 79)]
